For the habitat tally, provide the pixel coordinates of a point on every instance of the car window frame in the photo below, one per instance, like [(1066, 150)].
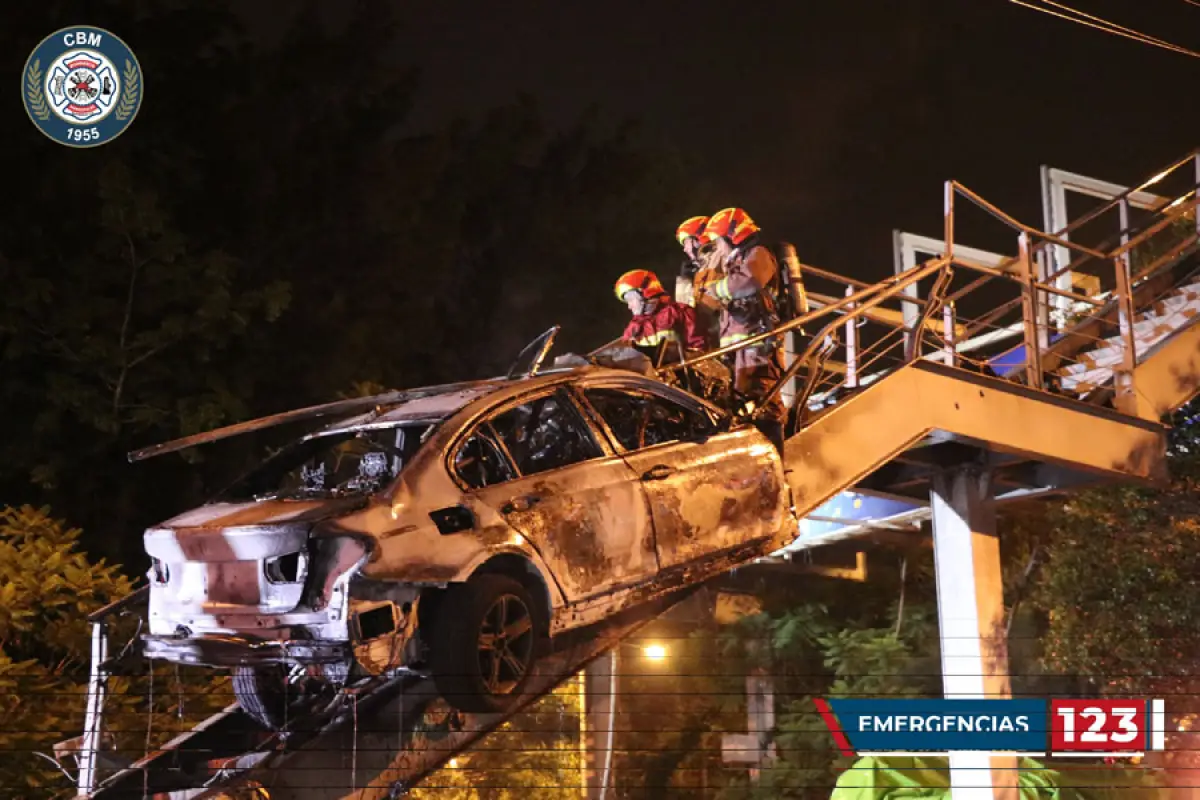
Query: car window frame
[(686, 401), (388, 489), (485, 417), (500, 448)]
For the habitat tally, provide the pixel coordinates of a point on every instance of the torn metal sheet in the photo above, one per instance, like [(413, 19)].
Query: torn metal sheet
[(335, 408)]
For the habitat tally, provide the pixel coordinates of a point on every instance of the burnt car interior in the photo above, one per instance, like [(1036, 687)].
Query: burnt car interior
[(341, 464), (542, 434), (644, 420), (547, 433)]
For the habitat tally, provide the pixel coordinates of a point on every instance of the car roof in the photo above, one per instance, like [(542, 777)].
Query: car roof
[(430, 408), (437, 406), (440, 406)]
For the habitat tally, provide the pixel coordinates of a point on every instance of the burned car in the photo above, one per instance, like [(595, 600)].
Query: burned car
[(455, 530)]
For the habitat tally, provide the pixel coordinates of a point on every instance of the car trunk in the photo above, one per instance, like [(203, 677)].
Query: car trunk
[(237, 558)]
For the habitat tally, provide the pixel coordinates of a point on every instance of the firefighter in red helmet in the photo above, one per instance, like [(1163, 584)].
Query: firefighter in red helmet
[(741, 282), (656, 317)]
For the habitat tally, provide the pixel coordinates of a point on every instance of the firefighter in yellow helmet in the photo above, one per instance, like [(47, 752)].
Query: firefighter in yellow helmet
[(740, 280)]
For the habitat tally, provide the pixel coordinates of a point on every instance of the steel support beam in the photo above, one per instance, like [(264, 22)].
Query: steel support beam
[(970, 598)]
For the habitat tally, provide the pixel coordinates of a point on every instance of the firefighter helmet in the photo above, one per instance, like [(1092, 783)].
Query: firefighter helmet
[(692, 226), (641, 280), (732, 223)]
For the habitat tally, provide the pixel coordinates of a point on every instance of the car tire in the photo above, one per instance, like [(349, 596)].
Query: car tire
[(262, 694), (470, 672)]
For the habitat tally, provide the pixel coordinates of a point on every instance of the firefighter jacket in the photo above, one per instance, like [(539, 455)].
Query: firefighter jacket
[(669, 321), (742, 292)]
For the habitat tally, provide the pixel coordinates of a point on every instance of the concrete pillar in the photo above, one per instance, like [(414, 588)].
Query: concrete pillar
[(970, 600)]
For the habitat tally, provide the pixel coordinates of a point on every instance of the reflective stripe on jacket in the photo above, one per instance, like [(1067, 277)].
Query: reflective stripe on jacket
[(669, 321)]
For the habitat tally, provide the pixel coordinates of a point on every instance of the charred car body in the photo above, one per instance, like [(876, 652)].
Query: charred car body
[(454, 530)]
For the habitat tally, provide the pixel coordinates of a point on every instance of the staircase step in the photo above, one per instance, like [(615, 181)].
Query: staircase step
[(1100, 358), (1147, 333), (1171, 303), (1087, 381)]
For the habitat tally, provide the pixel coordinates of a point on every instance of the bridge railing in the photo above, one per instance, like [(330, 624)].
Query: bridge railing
[(997, 319)]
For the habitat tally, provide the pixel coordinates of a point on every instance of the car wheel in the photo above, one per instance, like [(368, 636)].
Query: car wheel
[(262, 694), (485, 643)]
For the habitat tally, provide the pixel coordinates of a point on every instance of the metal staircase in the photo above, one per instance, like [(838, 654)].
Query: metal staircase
[(886, 402), (1131, 348), (1094, 368)]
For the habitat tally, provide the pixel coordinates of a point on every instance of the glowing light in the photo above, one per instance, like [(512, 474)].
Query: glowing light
[(654, 652), (1157, 178), (453, 764)]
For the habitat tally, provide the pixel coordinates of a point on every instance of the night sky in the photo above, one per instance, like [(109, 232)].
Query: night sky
[(834, 122)]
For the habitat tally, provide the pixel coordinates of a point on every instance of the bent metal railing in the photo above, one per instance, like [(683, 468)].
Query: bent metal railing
[(1045, 347)]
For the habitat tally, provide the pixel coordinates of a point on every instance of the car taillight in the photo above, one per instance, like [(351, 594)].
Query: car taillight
[(161, 572)]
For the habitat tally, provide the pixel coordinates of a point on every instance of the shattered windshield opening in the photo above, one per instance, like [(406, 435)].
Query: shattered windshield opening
[(343, 464)]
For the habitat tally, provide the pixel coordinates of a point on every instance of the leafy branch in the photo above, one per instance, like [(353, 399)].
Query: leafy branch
[(129, 93), (35, 93)]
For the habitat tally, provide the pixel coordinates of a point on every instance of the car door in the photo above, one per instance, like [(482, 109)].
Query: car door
[(582, 507), (709, 490)]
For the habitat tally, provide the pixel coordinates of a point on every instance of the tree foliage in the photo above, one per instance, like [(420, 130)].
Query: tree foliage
[(855, 645), (1118, 591), (210, 276), (48, 587)]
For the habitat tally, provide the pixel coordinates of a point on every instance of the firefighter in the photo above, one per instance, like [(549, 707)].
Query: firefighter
[(741, 281), (688, 235), (656, 317)]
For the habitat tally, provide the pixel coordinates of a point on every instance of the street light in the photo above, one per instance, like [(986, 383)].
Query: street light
[(654, 652)]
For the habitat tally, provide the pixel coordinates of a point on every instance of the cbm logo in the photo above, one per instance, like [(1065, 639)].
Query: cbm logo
[(82, 86)]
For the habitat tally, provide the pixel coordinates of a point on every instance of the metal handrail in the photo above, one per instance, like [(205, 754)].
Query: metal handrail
[(886, 291), (858, 305), (1114, 202), (1168, 217), (1017, 224), (1115, 239), (888, 288)]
